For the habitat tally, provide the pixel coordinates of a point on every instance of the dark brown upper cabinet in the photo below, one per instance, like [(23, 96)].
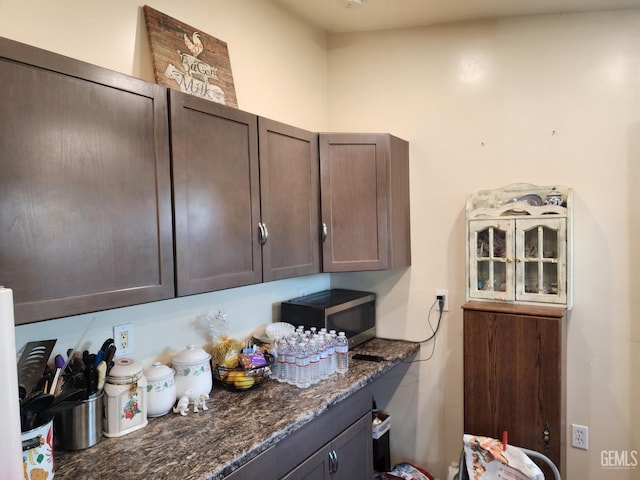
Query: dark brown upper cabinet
[(246, 197), (85, 192), (88, 159), (289, 191), (364, 187), (216, 195)]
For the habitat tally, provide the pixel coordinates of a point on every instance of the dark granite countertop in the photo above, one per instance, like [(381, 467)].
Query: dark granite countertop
[(237, 427)]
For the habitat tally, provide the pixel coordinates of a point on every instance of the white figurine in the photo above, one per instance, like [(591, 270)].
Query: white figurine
[(201, 402), (183, 404)]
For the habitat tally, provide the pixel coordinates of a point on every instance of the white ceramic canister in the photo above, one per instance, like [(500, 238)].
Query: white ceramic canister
[(193, 372), (125, 401), (161, 389)]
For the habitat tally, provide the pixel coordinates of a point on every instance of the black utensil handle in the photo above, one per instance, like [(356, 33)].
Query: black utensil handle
[(105, 345), (31, 443)]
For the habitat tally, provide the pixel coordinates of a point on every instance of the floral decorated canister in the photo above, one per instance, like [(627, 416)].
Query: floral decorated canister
[(37, 452), (125, 398), (161, 389), (193, 372)]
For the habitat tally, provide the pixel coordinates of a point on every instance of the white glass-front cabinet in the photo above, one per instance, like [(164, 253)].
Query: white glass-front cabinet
[(518, 245)]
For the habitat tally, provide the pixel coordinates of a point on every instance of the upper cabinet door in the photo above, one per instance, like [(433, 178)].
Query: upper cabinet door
[(85, 195), (491, 259), (364, 185), (216, 195), (289, 191), (541, 260)]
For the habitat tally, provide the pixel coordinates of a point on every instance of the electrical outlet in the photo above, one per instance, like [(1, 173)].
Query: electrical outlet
[(580, 436), (123, 337), (445, 294)]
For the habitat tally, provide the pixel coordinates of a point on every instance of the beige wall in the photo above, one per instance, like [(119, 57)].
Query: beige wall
[(541, 100), (448, 90), (278, 64)]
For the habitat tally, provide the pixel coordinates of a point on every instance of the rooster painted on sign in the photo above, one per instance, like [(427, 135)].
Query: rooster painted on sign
[(195, 46)]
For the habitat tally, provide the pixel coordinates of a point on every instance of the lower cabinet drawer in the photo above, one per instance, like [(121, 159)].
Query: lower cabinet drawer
[(263, 466)]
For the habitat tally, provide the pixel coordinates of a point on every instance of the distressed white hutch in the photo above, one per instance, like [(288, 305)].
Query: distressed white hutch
[(519, 241)]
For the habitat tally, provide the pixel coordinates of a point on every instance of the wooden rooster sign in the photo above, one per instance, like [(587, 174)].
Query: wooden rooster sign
[(189, 60)]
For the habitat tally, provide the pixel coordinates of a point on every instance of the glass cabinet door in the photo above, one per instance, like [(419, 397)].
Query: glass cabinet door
[(491, 259), (541, 259)]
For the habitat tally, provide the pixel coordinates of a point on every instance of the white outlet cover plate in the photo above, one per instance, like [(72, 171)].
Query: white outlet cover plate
[(580, 436), (442, 291), (120, 350)]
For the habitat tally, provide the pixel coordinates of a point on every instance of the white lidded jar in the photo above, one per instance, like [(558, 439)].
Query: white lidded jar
[(161, 389), (193, 372), (125, 401)]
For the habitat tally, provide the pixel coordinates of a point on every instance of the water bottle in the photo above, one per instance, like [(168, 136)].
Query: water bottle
[(323, 346), (314, 361), (332, 353), (290, 359), (281, 362), (342, 353), (274, 365), (302, 366)]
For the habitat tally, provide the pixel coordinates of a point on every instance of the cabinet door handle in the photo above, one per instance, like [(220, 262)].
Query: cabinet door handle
[(333, 462), (325, 231), (546, 436), (509, 260), (263, 233)]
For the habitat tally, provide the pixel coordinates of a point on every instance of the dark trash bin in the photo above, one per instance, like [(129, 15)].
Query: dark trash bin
[(380, 433)]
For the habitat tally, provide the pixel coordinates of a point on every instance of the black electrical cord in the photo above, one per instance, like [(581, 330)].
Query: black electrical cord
[(440, 302)]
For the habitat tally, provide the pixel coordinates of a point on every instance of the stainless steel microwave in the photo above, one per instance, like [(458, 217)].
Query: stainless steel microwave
[(349, 311)]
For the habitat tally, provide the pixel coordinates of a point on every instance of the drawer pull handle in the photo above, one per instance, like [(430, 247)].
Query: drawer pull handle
[(333, 462)]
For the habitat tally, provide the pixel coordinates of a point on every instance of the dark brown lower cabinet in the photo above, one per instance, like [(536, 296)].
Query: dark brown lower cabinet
[(514, 375), (336, 445), (347, 457)]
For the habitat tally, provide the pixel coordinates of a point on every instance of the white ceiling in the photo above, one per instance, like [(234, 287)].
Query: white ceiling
[(335, 16)]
